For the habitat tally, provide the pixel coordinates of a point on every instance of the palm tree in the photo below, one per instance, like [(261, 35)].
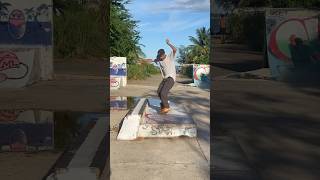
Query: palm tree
[(201, 44), (202, 39), (4, 9)]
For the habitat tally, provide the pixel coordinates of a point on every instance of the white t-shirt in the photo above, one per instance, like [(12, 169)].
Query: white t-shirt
[(168, 67)]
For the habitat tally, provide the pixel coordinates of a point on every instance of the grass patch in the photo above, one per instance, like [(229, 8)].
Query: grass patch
[(141, 71)]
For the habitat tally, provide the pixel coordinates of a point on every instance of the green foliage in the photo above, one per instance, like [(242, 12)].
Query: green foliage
[(79, 33), (295, 3), (198, 52), (124, 38), (141, 71), (248, 28), (231, 5), (187, 70)]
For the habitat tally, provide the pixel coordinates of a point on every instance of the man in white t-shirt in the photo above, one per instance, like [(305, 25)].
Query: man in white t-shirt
[(168, 71)]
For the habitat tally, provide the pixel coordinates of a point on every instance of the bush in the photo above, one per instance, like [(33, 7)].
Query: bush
[(187, 70), (141, 71), (79, 33), (248, 28)]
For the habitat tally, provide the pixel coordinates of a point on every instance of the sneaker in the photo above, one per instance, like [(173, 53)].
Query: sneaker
[(164, 110)]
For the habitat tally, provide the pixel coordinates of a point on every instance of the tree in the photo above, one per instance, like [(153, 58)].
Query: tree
[(198, 52), (230, 5), (4, 9), (184, 54), (124, 36)]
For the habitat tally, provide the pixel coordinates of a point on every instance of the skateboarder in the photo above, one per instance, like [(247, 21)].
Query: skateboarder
[(168, 71)]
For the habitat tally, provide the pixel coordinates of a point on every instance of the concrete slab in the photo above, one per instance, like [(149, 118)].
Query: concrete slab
[(130, 124), (146, 121), (229, 160), (173, 124)]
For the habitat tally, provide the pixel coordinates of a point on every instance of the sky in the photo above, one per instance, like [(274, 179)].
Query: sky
[(173, 19)]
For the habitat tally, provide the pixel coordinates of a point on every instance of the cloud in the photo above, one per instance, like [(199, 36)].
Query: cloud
[(177, 22), (179, 5)]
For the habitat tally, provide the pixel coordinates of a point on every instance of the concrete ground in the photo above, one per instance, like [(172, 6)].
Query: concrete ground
[(79, 85), (75, 82), (177, 158), (263, 129)]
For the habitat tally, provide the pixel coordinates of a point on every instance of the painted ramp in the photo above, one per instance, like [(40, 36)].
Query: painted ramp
[(146, 121)]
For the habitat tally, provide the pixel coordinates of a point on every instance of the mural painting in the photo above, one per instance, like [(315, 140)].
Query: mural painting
[(26, 130), (201, 74), (16, 68), (118, 72), (27, 23), (118, 103), (293, 41)]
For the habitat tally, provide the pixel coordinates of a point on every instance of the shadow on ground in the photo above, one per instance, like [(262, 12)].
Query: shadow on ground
[(276, 126)]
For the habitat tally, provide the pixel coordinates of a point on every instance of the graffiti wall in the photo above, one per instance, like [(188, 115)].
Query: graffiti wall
[(26, 130), (118, 72), (118, 103), (26, 22), (25, 25), (292, 40), (201, 75), (16, 67)]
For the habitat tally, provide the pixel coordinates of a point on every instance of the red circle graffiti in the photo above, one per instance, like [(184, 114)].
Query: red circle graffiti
[(8, 60), (195, 74), (114, 82), (273, 47)]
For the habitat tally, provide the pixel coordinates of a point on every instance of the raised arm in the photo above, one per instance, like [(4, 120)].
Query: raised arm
[(174, 49)]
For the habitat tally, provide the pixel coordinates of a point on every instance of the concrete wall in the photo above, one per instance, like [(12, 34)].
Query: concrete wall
[(118, 72), (201, 75), (27, 33), (26, 130), (282, 25)]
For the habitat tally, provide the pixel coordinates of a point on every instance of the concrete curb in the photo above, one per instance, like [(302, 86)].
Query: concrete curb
[(130, 124), (85, 158), (145, 122)]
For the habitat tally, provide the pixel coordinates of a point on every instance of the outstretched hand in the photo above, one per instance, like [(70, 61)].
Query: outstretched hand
[(174, 50), (167, 41)]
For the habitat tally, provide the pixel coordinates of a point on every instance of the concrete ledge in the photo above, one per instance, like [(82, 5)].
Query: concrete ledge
[(146, 121), (86, 157), (173, 124), (130, 124)]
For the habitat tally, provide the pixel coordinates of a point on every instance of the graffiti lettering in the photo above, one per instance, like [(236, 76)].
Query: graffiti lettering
[(9, 115), (114, 82), (118, 72), (161, 129), (293, 40), (11, 68), (292, 27), (156, 118), (8, 60)]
